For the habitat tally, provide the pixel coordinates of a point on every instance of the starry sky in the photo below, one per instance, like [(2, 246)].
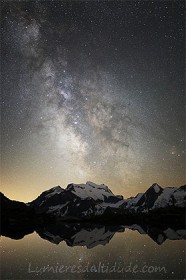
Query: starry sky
[(92, 91)]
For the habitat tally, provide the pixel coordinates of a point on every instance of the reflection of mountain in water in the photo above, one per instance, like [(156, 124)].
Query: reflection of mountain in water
[(66, 214), (88, 235), (91, 235), (160, 234)]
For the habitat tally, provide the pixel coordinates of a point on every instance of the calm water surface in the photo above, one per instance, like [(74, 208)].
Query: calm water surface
[(128, 255)]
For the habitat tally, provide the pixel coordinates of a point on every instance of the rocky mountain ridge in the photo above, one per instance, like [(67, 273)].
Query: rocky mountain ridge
[(82, 202)]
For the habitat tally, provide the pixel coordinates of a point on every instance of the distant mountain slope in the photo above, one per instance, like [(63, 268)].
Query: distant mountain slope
[(157, 198), (14, 209)]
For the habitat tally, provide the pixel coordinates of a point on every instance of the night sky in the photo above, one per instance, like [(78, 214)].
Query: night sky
[(92, 91)]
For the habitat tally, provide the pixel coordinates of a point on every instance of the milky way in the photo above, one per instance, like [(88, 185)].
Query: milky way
[(92, 91)]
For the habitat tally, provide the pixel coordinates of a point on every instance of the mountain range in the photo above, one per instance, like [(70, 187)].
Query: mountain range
[(91, 235), (84, 202)]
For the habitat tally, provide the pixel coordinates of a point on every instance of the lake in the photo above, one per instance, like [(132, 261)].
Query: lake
[(116, 253)]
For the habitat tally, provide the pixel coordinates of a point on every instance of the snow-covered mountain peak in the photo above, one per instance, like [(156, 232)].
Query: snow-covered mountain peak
[(54, 190), (156, 188), (102, 186), (90, 190), (44, 196)]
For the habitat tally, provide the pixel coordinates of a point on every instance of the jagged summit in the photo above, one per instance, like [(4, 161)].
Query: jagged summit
[(54, 190), (77, 201), (156, 198), (156, 188), (92, 190)]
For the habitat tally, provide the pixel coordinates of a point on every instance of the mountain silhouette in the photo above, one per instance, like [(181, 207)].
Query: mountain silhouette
[(96, 203)]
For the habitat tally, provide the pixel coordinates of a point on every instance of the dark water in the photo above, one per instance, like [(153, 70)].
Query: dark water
[(114, 252)]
